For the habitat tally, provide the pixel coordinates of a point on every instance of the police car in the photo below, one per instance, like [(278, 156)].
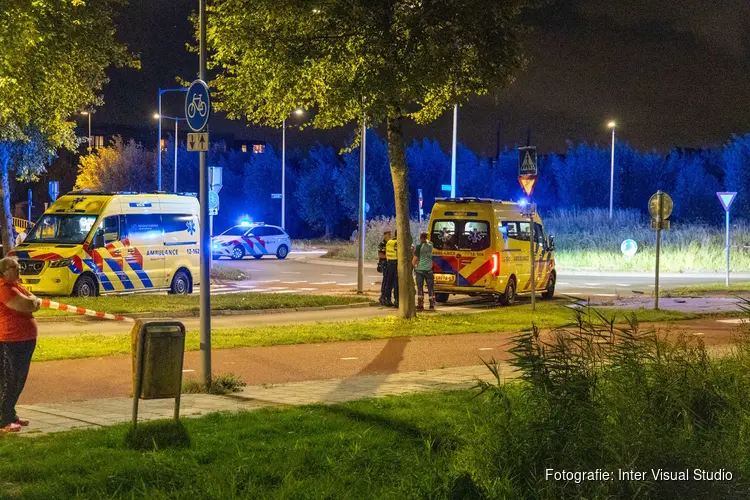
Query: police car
[(257, 239)]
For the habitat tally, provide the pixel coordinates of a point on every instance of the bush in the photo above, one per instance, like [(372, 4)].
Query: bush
[(220, 385), (373, 236), (597, 396)]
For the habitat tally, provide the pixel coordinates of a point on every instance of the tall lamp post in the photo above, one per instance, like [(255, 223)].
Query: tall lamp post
[(297, 112), (158, 141), (453, 155), (176, 131), (612, 125), (88, 114)]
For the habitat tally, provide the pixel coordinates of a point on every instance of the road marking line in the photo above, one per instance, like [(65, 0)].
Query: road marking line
[(348, 359), (623, 284), (562, 283), (324, 283), (277, 288), (605, 295), (593, 284), (306, 289), (290, 272), (378, 276), (260, 290), (698, 333), (330, 274), (736, 321), (292, 282), (486, 348), (346, 284), (281, 291), (188, 371)]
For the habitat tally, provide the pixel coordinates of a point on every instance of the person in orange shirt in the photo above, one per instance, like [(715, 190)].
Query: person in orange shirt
[(17, 342)]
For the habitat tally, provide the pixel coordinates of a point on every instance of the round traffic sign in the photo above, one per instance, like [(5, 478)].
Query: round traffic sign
[(197, 105), (629, 248), (367, 207), (666, 205), (213, 199)]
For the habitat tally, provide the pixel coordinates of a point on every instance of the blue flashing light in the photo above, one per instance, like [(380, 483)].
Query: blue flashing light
[(246, 223), (523, 202)]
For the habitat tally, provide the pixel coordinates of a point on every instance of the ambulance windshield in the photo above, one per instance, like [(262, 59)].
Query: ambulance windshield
[(70, 229)]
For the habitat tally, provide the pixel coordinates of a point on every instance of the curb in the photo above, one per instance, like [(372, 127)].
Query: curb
[(196, 314), (320, 261)]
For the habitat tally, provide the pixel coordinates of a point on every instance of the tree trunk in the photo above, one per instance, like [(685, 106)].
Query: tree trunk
[(397, 157), (6, 216)]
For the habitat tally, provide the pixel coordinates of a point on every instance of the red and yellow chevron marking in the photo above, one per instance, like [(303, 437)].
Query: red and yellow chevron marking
[(477, 271)]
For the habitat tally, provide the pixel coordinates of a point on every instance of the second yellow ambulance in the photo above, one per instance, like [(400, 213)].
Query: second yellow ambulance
[(482, 247)]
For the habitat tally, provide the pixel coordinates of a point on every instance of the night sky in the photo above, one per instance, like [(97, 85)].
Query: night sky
[(671, 72)]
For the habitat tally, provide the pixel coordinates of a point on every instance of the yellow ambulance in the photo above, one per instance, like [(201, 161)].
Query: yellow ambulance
[(87, 244), (482, 247)]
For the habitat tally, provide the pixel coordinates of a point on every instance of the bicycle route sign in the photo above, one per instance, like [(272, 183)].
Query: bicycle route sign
[(197, 105)]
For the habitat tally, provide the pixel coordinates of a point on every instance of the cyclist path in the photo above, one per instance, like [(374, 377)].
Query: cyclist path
[(91, 378), (91, 393)]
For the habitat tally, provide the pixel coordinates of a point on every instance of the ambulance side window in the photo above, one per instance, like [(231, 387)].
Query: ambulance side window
[(517, 230), (108, 232), (541, 241), (144, 229)]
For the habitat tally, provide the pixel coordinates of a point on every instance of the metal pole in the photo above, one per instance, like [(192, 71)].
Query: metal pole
[(453, 155), (90, 132), (532, 257), (283, 173), (727, 212), (205, 246), (176, 122), (29, 206), (158, 148), (658, 247), (361, 230), (612, 175)]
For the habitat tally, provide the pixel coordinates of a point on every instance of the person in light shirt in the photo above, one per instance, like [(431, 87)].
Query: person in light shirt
[(17, 342)]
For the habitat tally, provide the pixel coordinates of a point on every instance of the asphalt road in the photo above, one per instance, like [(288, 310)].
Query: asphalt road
[(308, 273)]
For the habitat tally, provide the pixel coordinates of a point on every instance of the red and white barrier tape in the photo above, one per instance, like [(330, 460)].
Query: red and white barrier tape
[(83, 312)]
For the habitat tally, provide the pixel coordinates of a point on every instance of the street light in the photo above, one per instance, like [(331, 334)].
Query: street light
[(612, 125), (297, 112), (87, 113), (176, 119), (158, 141), (453, 155)]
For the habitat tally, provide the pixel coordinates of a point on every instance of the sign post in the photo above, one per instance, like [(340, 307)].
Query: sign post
[(421, 201), (528, 173), (29, 207), (197, 112), (726, 199), (660, 207)]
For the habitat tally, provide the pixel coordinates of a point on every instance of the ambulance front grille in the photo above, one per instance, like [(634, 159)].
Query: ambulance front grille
[(30, 267)]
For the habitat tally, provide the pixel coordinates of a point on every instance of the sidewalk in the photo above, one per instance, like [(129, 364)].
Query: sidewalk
[(97, 413)]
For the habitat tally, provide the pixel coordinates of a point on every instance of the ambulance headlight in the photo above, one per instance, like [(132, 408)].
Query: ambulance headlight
[(61, 262)]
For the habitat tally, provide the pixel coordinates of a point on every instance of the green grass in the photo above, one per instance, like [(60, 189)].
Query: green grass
[(224, 273), (385, 448), (189, 304), (513, 319), (710, 289)]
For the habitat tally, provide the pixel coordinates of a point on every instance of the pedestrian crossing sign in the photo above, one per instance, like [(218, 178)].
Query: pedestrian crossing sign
[(527, 162)]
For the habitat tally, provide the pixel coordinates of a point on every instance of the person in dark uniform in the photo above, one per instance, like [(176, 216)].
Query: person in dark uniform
[(382, 266), (391, 271)]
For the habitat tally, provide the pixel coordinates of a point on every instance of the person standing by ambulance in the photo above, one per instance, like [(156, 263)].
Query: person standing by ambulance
[(423, 270), (391, 271), (17, 342), (382, 265)]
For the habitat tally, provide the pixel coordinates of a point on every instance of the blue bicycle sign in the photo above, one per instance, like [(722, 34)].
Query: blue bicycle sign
[(197, 105)]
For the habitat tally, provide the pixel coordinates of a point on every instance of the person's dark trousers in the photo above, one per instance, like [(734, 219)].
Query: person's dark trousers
[(15, 361), (392, 286), (383, 298), (422, 278)]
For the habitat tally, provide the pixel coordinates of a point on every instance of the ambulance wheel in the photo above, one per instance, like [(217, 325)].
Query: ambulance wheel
[(237, 253), (549, 293), (509, 296), (258, 256), (180, 284), (282, 252), (85, 287), (441, 297)]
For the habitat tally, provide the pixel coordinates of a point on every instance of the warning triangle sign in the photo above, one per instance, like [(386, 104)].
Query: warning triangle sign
[(528, 166), (528, 184), (726, 199)]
